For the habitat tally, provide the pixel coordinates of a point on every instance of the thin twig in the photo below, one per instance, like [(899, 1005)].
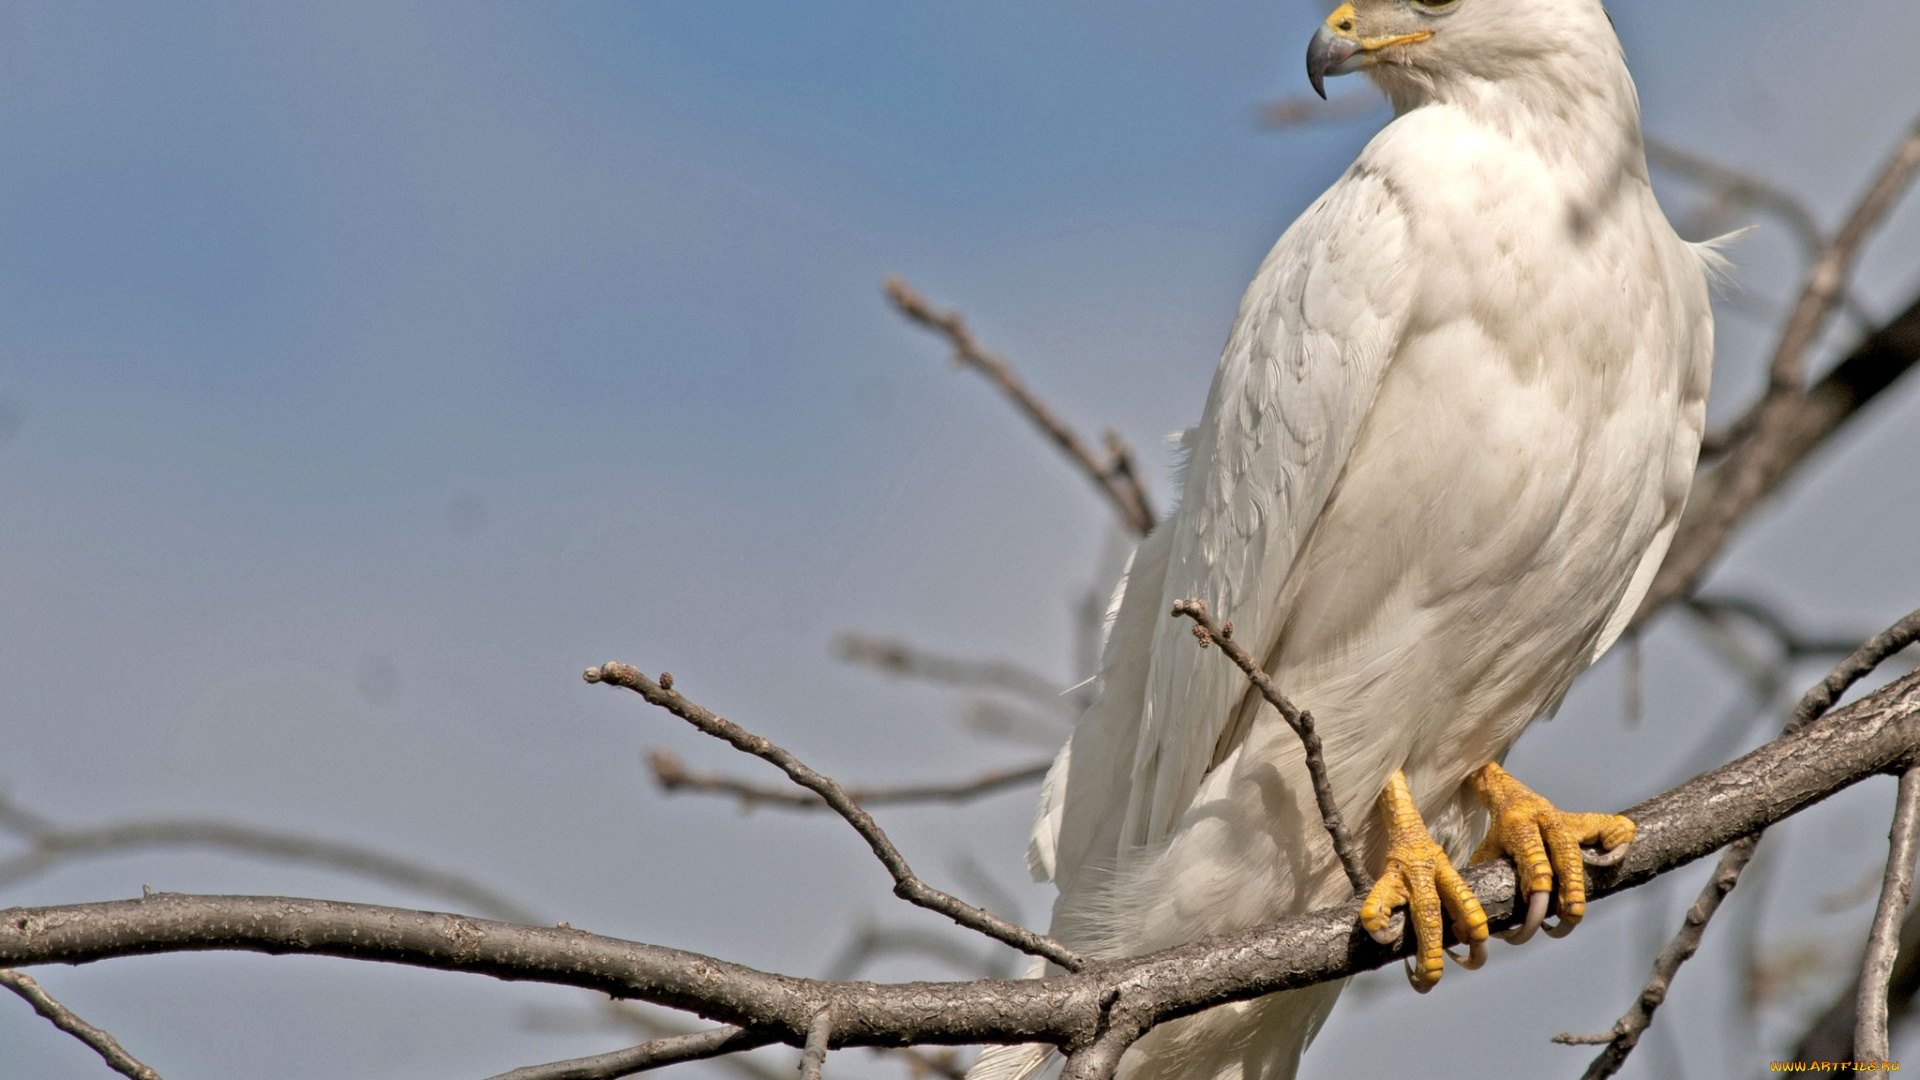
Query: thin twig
[(63, 1018), (906, 885), (1626, 1031), (814, 1057), (1208, 632), (1115, 477), (652, 1054), (1876, 969), (910, 661), (672, 774)]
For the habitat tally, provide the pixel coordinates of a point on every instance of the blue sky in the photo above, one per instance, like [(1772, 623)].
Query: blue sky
[(368, 370)]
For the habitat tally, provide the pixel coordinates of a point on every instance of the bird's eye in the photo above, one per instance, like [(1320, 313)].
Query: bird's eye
[(1433, 5)]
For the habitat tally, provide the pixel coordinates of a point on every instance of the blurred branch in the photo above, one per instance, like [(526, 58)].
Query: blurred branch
[(1789, 429), (1072, 1010), (994, 720), (1789, 422), (1733, 188), (1303, 110), (873, 941), (1207, 632), (906, 885), (1626, 1031), (1827, 281), (1830, 1036), (909, 661), (673, 775), (1794, 643), (52, 845), (1115, 477), (63, 1018)]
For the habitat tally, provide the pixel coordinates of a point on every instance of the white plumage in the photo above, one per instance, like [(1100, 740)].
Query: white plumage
[(1447, 445)]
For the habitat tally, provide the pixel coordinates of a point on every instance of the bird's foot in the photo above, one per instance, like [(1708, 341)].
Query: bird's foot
[(1545, 844), (1420, 877)]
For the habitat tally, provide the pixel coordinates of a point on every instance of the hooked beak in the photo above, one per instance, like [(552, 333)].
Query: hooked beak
[(1338, 48), (1329, 54)]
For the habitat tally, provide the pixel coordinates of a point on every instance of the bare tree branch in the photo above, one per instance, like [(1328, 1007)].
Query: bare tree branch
[(906, 885), (1626, 1031), (653, 1054), (1115, 477), (53, 845), (909, 661), (672, 774), (1876, 970), (63, 1018), (1208, 632), (1071, 1010), (1880, 732)]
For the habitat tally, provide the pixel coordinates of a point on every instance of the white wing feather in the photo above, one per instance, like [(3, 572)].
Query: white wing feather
[(1313, 338)]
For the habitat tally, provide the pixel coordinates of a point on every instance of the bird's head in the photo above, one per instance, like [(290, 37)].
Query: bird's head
[(1407, 44)]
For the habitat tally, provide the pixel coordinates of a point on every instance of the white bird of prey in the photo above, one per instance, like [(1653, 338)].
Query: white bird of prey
[(1446, 449)]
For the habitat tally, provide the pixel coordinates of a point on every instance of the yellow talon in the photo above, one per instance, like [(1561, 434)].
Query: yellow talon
[(1545, 844), (1419, 876)]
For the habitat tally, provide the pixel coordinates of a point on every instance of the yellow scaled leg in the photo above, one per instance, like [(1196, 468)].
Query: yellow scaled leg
[(1420, 877), (1545, 845)]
